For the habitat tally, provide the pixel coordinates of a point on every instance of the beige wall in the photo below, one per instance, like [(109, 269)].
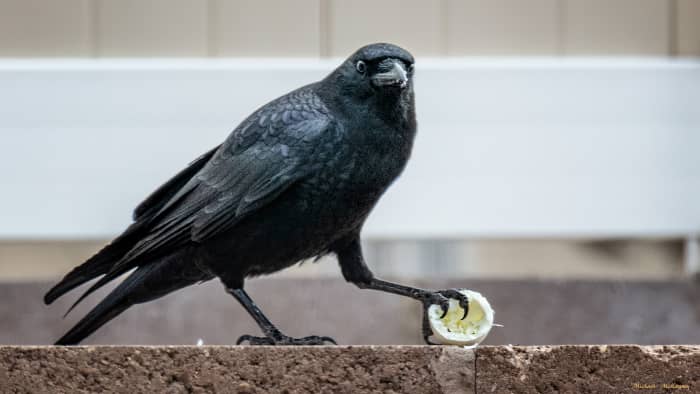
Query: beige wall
[(621, 259), (125, 28)]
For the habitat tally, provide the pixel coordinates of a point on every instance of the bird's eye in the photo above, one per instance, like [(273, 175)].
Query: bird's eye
[(360, 66), (410, 68)]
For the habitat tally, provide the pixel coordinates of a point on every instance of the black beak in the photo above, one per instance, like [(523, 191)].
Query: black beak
[(395, 74)]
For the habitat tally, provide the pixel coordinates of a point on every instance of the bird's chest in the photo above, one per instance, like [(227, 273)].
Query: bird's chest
[(379, 156), (366, 168)]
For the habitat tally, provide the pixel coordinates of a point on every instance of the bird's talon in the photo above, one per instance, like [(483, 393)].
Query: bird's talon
[(464, 303), (310, 340), (282, 340), (254, 341), (465, 306), (457, 295), (444, 308)]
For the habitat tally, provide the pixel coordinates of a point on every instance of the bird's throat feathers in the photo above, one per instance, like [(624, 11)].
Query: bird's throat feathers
[(394, 107)]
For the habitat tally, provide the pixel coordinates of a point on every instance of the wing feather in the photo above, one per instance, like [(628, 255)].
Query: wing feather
[(267, 154), (263, 157)]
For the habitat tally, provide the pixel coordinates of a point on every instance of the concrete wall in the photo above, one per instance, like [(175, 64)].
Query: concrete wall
[(311, 28), (532, 312)]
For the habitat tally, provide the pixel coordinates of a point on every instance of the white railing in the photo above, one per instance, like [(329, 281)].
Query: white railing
[(506, 148)]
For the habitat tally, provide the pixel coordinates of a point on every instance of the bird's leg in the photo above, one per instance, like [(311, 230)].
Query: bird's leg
[(273, 336), (356, 271), (427, 297)]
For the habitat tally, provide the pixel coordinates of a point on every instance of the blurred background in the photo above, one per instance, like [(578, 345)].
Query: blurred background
[(556, 167)]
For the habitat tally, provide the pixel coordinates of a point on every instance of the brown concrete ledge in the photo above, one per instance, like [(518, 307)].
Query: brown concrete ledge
[(350, 369), (588, 369)]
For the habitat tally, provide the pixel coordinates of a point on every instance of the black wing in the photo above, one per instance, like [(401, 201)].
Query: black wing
[(269, 152), (154, 202)]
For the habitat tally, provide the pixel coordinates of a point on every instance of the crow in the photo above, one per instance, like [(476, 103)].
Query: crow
[(294, 181)]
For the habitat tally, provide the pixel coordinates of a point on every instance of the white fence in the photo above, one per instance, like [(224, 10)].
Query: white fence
[(506, 148)]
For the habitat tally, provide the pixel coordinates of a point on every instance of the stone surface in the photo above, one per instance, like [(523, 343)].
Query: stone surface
[(588, 369), (351, 369), (191, 369), (533, 312)]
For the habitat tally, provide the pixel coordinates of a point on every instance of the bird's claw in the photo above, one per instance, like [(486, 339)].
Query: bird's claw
[(283, 340), (442, 298), (427, 331), (426, 339), (254, 341)]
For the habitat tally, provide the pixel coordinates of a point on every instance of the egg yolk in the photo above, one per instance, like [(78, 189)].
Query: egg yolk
[(470, 325)]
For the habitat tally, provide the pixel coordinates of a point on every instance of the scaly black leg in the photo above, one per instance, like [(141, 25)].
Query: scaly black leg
[(356, 271), (273, 336), (427, 297)]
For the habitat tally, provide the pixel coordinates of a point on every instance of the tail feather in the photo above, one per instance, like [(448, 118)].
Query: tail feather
[(99, 264), (103, 313), (106, 259), (111, 275), (114, 304), (134, 289), (146, 283)]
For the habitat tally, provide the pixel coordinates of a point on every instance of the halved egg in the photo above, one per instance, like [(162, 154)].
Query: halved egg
[(452, 330)]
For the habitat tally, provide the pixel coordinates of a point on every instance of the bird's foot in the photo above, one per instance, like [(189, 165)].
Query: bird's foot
[(279, 339), (442, 298)]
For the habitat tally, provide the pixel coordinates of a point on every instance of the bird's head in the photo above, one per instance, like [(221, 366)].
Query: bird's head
[(381, 71)]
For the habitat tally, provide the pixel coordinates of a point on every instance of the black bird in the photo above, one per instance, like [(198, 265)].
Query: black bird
[(295, 180)]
